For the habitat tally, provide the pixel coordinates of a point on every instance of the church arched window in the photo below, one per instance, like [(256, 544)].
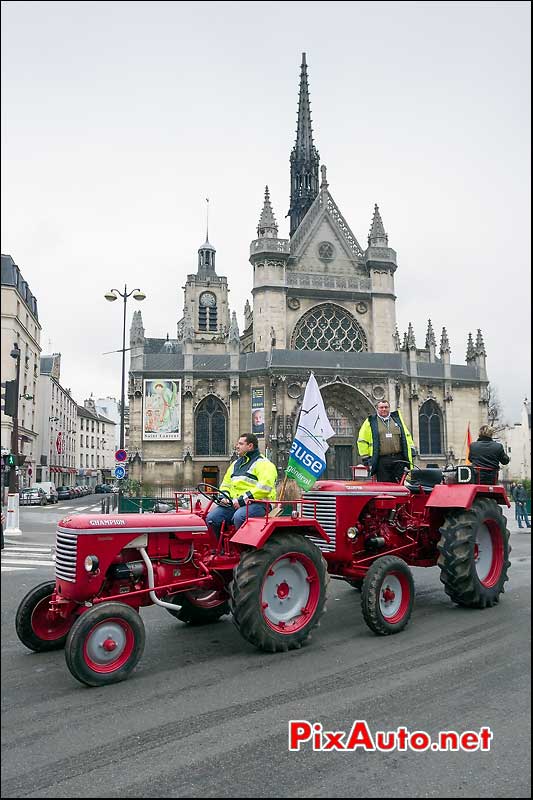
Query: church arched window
[(329, 327), (210, 433), (341, 423), (430, 427), (207, 312)]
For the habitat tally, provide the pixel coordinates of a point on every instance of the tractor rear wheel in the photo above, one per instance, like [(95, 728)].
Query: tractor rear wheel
[(37, 627), (278, 594), (200, 606), (387, 595), (105, 644), (474, 554)]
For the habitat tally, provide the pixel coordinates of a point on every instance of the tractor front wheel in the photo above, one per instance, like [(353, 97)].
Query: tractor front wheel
[(200, 607), (474, 554), (278, 593), (37, 626), (105, 644), (387, 595)]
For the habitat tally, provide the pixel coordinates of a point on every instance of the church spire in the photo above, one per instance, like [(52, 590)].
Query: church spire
[(444, 342), (377, 236), (304, 158), (268, 227), (480, 344)]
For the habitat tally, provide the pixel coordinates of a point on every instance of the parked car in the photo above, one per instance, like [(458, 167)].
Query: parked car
[(114, 489), (49, 489), (32, 497), (102, 488), (64, 493)]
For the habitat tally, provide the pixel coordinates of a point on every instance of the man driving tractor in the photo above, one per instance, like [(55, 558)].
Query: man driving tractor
[(250, 477)]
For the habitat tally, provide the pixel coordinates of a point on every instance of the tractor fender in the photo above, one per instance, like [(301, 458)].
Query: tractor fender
[(257, 530), (462, 495)]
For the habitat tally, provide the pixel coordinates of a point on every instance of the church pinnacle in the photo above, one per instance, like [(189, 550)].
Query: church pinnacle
[(304, 158), (377, 236), (268, 227)]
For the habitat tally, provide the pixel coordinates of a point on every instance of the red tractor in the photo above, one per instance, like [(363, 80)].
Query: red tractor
[(272, 574)]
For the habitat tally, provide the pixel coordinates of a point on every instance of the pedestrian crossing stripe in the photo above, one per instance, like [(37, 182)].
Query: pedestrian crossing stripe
[(25, 557)]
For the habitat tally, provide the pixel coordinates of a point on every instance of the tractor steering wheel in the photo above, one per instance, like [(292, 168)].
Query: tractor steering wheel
[(215, 495)]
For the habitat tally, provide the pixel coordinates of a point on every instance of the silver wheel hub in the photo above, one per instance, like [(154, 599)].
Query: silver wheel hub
[(390, 596), (285, 591), (106, 643), (483, 552)]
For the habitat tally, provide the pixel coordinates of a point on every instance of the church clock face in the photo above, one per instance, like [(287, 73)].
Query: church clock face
[(208, 300)]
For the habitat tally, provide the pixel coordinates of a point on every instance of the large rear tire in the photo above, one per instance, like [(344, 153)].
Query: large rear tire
[(278, 594), (387, 595), (105, 644), (200, 607), (38, 628), (474, 554)]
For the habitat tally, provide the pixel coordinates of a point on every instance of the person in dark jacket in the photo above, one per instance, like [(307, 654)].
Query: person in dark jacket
[(486, 455), (520, 499)]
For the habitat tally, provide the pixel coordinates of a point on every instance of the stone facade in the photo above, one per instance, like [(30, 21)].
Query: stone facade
[(321, 303)]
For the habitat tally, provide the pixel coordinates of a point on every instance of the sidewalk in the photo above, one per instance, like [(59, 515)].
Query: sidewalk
[(512, 524)]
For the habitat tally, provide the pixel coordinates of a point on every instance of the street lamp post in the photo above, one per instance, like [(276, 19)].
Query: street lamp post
[(112, 295), (13, 477)]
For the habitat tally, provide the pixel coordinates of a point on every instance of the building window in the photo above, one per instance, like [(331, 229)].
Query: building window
[(207, 312), (210, 428), (340, 422), (430, 427), (329, 327)]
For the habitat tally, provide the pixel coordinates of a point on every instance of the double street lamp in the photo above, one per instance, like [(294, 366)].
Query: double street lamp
[(112, 295)]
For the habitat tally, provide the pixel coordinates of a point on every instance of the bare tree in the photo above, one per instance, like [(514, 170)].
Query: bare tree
[(495, 408)]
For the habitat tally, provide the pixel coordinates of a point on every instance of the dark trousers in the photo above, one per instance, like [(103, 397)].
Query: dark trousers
[(390, 468)]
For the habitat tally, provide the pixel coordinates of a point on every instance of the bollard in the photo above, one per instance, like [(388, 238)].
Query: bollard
[(12, 515), (102, 506)]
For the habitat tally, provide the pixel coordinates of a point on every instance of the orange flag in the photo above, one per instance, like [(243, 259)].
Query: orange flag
[(468, 443)]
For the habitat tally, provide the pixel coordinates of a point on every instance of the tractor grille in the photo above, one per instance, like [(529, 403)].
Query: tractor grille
[(66, 553), (326, 515)]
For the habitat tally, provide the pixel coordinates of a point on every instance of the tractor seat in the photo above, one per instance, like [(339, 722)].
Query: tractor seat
[(423, 479)]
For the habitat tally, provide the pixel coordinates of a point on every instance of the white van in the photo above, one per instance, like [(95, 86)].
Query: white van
[(49, 488)]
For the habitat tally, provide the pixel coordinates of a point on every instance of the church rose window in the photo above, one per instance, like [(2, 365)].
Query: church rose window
[(329, 327), (210, 428), (430, 427)]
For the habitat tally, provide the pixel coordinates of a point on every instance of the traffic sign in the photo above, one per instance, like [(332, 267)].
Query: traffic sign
[(121, 455), (120, 471)]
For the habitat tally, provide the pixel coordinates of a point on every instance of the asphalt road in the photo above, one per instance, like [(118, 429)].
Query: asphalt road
[(206, 715)]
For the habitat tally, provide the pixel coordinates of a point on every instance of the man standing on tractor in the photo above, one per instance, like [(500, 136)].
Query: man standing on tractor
[(250, 477), (385, 444), (486, 455)]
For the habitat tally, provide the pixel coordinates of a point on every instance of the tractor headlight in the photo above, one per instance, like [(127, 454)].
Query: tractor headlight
[(91, 563), (351, 533)]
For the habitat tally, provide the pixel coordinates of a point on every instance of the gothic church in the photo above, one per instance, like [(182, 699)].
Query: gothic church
[(320, 303)]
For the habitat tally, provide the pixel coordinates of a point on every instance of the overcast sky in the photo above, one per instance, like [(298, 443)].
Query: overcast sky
[(120, 118)]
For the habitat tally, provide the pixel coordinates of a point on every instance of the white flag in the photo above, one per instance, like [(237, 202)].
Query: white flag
[(307, 460)]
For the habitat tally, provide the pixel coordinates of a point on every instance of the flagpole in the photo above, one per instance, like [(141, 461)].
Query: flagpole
[(463, 449), (282, 490)]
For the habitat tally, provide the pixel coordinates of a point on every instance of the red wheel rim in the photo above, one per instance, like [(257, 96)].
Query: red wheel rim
[(108, 645), (394, 597), (290, 593), (48, 625)]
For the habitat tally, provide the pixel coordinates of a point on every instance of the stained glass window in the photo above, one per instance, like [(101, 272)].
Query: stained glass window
[(430, 427), (329, 327), (210, 428), (340, 422)]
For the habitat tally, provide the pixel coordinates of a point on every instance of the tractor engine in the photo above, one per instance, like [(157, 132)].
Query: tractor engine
[(384, 523)]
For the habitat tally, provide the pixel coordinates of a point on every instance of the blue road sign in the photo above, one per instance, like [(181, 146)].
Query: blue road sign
[(121, 455), (120, 471)]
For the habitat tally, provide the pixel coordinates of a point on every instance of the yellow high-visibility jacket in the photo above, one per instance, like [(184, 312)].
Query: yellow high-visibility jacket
[(368, 440), (251, 477)]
